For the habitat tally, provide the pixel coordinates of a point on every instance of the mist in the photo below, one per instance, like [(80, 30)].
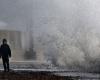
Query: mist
[(64, 32), (67, 32)]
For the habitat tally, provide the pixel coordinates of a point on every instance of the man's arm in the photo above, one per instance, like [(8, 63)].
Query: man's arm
[(9, 51), (0, 52)]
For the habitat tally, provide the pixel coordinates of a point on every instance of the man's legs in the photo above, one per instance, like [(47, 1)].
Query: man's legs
[(7, 63), (4, 64)]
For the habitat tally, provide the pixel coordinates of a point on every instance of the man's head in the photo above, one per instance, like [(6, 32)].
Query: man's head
[(4, 41)]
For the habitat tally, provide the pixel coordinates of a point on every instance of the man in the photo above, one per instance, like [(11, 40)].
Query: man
[(5, 54)]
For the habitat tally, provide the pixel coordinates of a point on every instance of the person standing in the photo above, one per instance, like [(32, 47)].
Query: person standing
[(5, 54)]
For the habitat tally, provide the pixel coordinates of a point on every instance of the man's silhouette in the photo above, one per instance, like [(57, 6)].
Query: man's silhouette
[(5, 54)]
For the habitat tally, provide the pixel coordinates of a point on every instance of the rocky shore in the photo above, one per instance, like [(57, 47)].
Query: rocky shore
[(24, 75)]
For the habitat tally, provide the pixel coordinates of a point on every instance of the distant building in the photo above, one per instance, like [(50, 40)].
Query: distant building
[(19, 42)]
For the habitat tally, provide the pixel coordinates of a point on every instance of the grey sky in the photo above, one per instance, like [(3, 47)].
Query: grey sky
[(15, 13)]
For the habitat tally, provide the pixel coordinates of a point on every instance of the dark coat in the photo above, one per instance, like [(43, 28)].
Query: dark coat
[(5, 51)]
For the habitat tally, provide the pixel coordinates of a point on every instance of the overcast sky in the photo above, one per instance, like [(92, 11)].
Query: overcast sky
[(15, 14), (19, 12)]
